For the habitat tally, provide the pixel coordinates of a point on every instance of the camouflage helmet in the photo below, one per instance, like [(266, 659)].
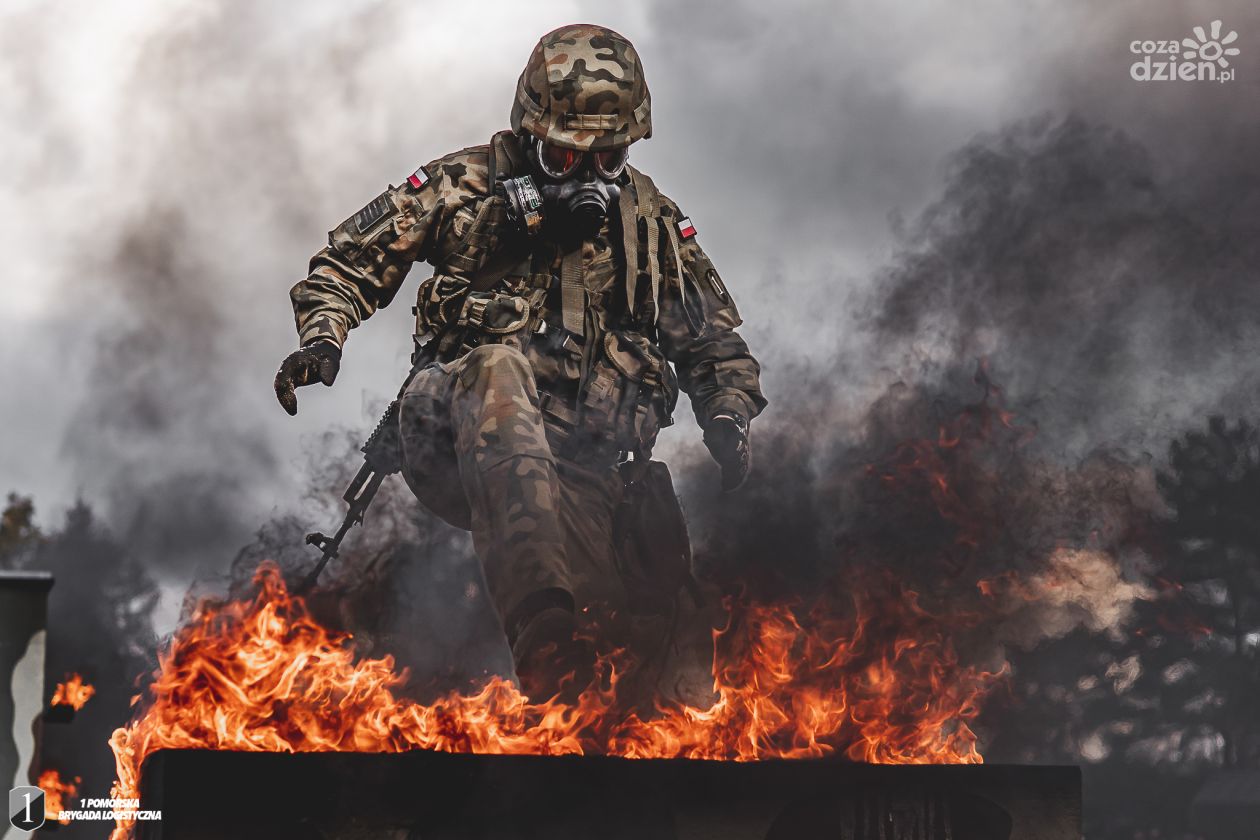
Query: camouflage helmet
[(583, 89)]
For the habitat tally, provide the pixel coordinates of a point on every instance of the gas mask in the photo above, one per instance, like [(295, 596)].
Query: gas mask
[(573, 191)]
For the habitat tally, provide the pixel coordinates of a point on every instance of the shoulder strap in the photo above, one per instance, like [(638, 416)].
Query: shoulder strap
[(648, 207), (641, 222), (630, 241), (671, 230)]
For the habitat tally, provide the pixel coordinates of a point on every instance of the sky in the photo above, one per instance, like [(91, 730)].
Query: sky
[(171, 166)]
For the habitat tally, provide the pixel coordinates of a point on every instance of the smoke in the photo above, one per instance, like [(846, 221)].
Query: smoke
[(174, 165), (206, 149), (200, 149), (1109, 302), (154, 386), (1077, 588), (1060, 313)]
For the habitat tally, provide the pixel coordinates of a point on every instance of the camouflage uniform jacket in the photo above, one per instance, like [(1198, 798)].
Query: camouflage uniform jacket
[(446, 214)]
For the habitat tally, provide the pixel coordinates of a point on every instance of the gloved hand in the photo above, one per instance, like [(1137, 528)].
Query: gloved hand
[(726, 435), (317, 361)]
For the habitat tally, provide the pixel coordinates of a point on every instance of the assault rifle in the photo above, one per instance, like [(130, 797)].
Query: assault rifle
[(382, 457)]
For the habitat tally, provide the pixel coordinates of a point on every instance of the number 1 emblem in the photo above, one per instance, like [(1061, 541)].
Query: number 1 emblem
[(26, 808)]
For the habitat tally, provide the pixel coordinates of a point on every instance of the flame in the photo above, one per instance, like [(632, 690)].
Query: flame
[(74, 692), (874, 676), (56, 794), (883, 684)]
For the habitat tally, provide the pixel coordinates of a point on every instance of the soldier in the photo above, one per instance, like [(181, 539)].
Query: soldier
[(570, 303)]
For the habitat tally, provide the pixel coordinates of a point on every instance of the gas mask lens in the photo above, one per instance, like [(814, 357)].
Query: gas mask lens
[(557, 161), (560, 163), (611, 163)]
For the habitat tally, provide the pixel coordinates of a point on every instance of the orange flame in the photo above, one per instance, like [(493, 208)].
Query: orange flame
[(56, 794), (883, 685), (74, 692)]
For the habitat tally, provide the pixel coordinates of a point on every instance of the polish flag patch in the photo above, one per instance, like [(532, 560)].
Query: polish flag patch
[(686, 229), (418, 178)]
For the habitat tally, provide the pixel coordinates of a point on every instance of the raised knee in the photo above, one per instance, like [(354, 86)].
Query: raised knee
[(496, 355), (496, 365)]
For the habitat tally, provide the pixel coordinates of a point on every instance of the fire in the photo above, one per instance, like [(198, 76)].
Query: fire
[(883, 684), (872, 675), (74, 692), (56, 794)]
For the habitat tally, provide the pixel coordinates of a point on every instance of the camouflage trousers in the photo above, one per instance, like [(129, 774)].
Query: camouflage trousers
[(476, 452)]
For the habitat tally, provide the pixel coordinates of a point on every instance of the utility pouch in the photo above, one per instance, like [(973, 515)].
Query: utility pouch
[(495, 315), (652, 547), (438, 303), (495, 318), (643, 399)]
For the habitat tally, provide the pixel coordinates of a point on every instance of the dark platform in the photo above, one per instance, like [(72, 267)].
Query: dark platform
[(437, 796)]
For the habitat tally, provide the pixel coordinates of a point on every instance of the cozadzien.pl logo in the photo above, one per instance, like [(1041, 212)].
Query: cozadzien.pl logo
[(1202, 58)]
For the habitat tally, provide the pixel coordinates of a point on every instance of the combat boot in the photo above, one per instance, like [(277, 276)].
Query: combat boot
[(552, 659)]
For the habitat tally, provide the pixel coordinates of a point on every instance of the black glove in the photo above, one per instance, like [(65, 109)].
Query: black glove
[(726, 435), (317, 361)]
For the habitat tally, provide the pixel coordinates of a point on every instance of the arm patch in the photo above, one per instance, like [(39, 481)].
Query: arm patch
[(719, 288), (376, 209)]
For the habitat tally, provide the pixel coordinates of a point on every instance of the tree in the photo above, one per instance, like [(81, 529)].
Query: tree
[(18, 534), (1213, 483), (99, 626)]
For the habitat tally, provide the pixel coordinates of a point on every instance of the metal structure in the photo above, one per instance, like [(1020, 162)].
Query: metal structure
[(23, 634), (440, 796)]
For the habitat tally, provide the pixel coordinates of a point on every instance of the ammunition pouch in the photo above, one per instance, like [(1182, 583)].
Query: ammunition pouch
[(630, 392), (627, 396), (481, 238), (650, 540)]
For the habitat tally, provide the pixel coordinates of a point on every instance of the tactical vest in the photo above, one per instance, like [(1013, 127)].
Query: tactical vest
[(627, 390)]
